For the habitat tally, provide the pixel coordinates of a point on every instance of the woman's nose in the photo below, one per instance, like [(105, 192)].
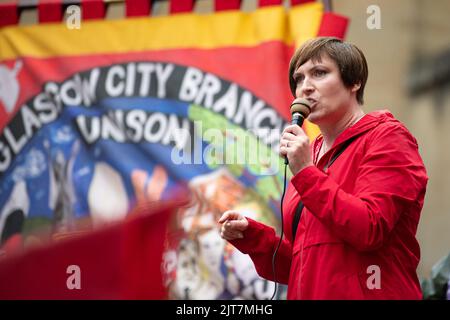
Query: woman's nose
[(305, 89)]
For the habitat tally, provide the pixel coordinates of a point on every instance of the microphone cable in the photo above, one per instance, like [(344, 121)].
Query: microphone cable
[(300, 109), (281, 236)]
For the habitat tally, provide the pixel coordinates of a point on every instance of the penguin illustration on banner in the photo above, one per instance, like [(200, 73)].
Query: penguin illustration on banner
[(107, 196), (12, 217)]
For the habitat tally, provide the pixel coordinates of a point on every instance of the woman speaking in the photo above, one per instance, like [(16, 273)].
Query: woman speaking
[(352, 208)]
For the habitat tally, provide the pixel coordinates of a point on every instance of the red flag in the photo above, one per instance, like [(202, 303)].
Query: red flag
[(121, 261)]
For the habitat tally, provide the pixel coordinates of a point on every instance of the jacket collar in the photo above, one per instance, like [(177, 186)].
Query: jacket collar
[(365, 124)]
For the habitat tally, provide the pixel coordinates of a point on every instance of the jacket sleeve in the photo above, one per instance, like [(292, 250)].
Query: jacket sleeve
[(260, 242), (390, 179)]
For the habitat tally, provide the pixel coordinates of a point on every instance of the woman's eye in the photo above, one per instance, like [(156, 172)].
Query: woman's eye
[(298, 79), (320, 73)]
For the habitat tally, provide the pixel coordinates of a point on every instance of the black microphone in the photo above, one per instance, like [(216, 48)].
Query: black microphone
[(300, 110)]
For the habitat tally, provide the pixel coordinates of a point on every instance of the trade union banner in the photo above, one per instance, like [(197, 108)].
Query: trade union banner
[(96, 120)]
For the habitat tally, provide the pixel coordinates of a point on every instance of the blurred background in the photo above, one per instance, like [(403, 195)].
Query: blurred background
[(408, 53)]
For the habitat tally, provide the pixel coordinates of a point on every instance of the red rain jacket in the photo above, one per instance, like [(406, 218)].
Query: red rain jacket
[(359, 222)]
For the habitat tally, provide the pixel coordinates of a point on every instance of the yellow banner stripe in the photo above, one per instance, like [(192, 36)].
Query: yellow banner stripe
[(223, 29), (304, 22)]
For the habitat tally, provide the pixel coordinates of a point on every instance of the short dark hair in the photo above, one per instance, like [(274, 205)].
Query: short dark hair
[(350, 60)]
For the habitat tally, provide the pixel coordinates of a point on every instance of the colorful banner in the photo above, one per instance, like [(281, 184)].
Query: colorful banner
[(96, 120)]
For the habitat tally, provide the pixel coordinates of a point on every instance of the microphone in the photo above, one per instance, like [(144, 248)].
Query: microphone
[(300, 109)]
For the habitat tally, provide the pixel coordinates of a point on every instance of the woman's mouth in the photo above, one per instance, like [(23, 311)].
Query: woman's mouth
[(311, 100)]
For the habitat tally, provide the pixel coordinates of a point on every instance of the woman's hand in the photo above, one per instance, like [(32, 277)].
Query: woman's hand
[(294, 145), (233, 225)]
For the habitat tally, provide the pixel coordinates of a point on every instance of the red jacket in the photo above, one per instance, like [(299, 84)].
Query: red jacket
[(359, 215)]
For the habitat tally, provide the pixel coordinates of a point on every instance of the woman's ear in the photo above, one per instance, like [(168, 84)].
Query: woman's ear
[(356, 87)]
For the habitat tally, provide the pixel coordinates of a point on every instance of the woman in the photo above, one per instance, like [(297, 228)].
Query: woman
[(356, 235)]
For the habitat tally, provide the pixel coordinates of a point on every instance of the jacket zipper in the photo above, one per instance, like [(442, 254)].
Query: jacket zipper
[(299, 291)]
